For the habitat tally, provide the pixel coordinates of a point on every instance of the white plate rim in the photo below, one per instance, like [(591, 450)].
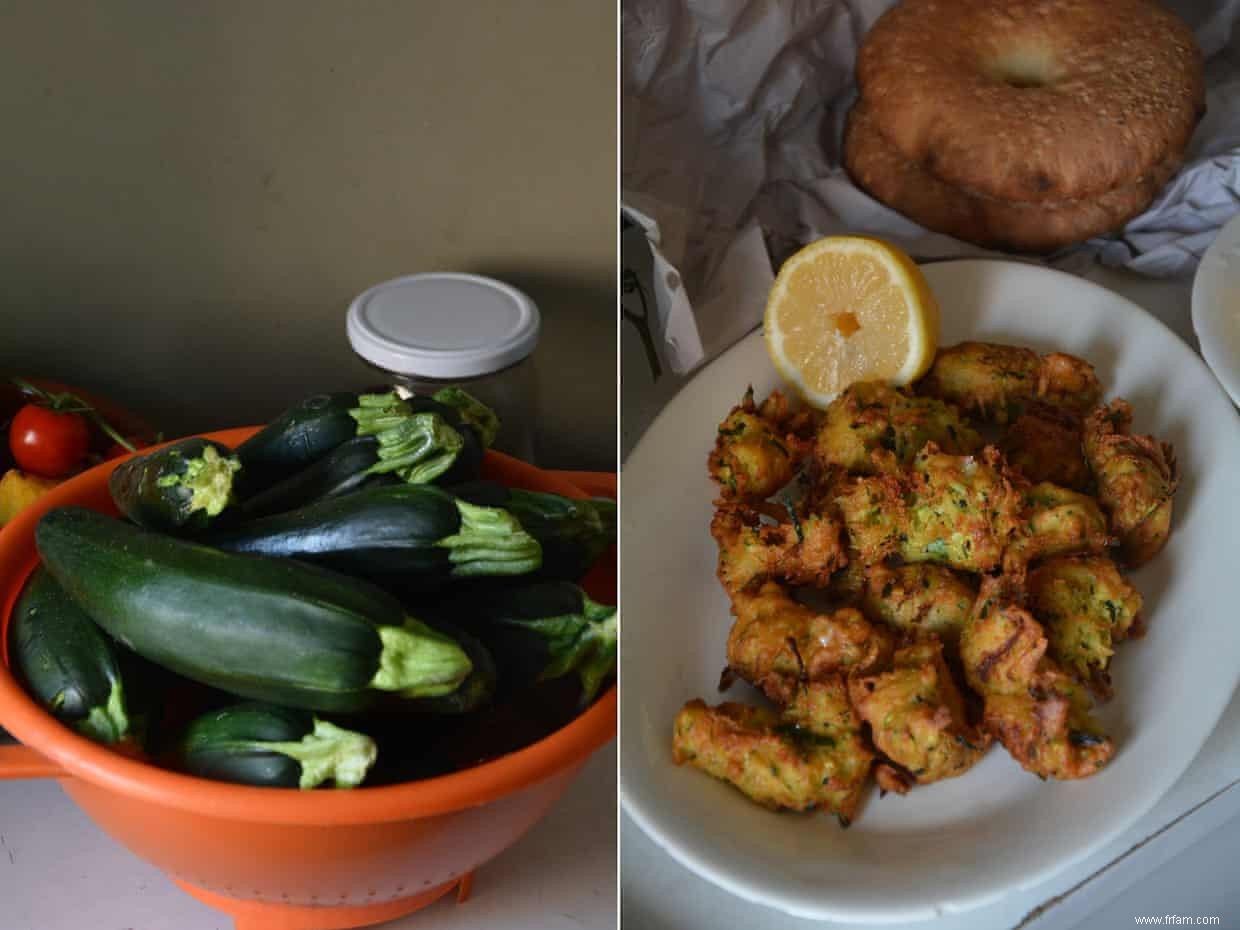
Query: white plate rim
[(754, 893)]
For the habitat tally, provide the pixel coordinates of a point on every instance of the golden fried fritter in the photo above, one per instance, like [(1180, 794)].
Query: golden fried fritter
[(804, 550), (776, 642), (1047, 728), (1001, 644), (873, 428), (1058, 522), (917, 715), (1085, 606), (1136, 479), (1045, 445), (1030, 704), (919, 599), (821, 714), (812, 757), (1068, 382), (956, 510), (758, 449), (991, 381), (999, 382)]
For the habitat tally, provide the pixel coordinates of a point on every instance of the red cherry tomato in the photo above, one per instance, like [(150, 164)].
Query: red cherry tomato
[(47, 443)]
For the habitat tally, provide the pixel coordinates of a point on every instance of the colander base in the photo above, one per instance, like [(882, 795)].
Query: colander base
[(260, 915)]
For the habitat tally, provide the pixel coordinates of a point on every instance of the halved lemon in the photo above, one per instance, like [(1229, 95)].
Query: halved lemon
[(846, 309)]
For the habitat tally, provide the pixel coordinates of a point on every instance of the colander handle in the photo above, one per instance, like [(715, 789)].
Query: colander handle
[(17, 761)]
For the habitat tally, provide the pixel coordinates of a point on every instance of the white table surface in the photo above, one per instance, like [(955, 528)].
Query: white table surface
[(1181, 860), (59, 872)]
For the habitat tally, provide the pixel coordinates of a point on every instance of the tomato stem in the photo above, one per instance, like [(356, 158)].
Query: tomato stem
[(71, 403)]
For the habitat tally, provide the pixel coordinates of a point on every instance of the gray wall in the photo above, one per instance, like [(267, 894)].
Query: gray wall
[(191, 193)]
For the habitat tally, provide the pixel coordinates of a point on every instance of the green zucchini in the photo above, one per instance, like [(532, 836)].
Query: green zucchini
[(482, 492), (66, 662), (343, 470), (472, 411), (573, 533), (298, 437), (475, 691), (417, 535), (468, 417), (416, 448), (268, 629), (181, 487), (540, 631), (272, 746), (420, 439), (330, 444)]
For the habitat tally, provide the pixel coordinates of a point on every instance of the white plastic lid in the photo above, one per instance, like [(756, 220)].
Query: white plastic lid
[(443, 325)]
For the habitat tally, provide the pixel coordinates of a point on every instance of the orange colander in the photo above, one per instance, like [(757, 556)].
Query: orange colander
[(281, 859)]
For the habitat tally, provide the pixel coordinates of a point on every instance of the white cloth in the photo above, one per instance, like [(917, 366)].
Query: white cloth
[(731, 129)]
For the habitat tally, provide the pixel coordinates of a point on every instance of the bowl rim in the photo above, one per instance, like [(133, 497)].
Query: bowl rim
[(109, 769)]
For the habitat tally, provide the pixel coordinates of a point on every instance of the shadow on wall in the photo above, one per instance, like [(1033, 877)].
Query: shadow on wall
[(575, 365), (191, 201), (261, 357), (275, 354)]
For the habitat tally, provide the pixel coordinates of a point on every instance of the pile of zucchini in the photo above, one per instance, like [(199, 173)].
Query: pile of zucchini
[(337, 600)]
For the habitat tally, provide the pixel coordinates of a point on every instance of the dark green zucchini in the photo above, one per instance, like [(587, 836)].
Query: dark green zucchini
[(334, 443), (468, 463), (66, 662), (472, 411), (343, 470), (418, 535), (182, 487), (573, 534), (482, 492), (272, 746), (540, 631), (298, 437), (420, 439), (475, 691), (269, 629), (398, 444)]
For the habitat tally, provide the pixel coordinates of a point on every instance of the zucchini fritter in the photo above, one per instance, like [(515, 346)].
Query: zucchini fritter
[(1086, 607), (919, 599), (1001, 644), (758, 449), (1047, 727), (956, 510), (1038, 712), (917, 715), (811, 757), (997, 383), (1058, 522), (1045, 445), (776, 642), (1136, 478), (804, 550), (872, 428)]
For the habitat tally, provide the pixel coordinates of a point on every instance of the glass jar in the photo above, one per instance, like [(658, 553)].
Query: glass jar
[(431, 331)]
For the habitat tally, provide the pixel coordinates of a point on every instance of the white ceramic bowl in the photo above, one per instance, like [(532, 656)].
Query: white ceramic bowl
[(961, 843)]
